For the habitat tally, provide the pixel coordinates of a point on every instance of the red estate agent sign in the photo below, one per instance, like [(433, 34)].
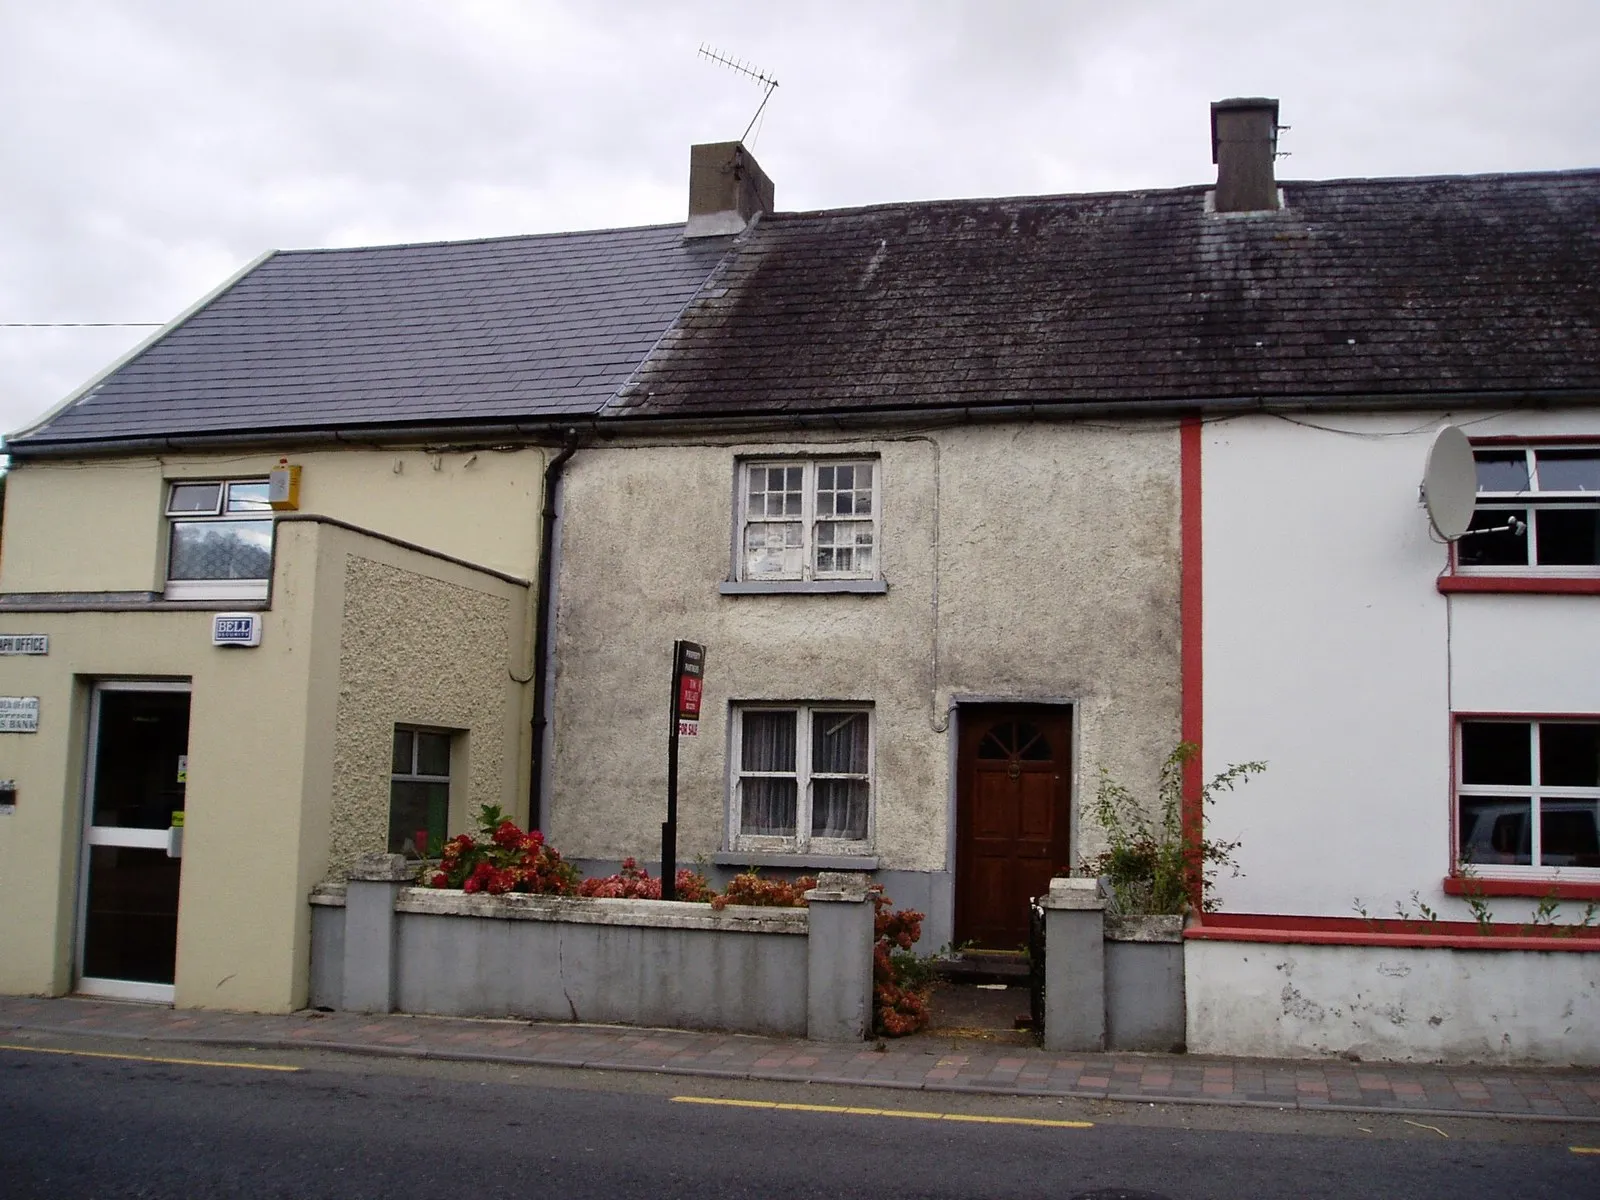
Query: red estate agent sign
[(690, 669)]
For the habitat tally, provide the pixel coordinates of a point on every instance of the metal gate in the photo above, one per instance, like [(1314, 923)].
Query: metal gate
[(1036, 965)]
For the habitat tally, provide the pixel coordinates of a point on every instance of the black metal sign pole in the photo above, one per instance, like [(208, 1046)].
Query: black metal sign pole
[(688, 677), (669, 828)]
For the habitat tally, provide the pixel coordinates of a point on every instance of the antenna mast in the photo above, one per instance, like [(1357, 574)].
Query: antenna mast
[(749, 71)]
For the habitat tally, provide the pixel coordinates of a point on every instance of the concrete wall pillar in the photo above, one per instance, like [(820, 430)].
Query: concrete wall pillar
[(839, 946), (370, 931), (1074, 966)]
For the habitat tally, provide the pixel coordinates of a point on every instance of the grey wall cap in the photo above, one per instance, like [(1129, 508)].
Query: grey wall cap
[(384, 868), (328, 894), (654, 914), (847, 887), (1075, 893), (1161, 928)]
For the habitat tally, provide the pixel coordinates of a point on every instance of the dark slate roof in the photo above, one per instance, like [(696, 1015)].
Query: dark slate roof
[(497, 330), (1389, 286)]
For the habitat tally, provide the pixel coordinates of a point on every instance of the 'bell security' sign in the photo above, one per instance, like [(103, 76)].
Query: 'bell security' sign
[(236, 629)]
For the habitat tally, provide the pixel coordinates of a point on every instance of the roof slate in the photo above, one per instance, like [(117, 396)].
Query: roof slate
[(1394, 286), (505, 329)]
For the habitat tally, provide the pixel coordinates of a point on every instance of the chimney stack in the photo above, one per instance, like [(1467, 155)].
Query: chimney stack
[(727, 189), (1244, 143)]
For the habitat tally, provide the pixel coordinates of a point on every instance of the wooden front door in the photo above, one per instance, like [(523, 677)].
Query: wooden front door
[(1013, 818)]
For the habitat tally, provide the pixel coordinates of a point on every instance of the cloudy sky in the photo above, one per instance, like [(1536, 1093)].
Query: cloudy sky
[(151, 148)]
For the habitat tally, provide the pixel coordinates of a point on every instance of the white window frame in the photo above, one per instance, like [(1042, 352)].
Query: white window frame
[(1531, 502), (213, 589), (414, 775), (808, 519), (802, 842), (1534, 792)]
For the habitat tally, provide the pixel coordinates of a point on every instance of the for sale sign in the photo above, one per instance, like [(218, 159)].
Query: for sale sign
[(690, 669)]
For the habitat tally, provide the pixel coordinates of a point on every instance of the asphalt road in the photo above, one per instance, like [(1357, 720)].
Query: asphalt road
[(76, 1125)]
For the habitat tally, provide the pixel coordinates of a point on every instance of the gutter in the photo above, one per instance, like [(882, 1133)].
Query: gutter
[(619, 424), (541, 644)]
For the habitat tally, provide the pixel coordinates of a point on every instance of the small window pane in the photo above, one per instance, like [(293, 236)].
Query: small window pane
[(839, 808), (839, 743), (1569, 833), (248, 498), (1569, 470), (1502, 470), (401, 759), (221, 550), (772, 548), (768, 741), (767, 807), (1505, 547), (433, 754), (194, 498), (1568, 537), (1496, 752), (414, 807), (1496, 830), (1569, 755)]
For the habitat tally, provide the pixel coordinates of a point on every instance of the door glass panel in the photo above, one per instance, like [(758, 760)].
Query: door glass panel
[(142, 737), (131, 917)]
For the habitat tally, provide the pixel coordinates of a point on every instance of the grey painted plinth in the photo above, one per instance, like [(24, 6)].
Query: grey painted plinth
[(1144, 983), (839, 959), (1074, 964), (370, 934)]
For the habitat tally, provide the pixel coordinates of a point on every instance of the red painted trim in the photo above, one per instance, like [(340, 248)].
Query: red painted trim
[(1538, 889), (1533, 584), (1192, 661), (1355, 931)]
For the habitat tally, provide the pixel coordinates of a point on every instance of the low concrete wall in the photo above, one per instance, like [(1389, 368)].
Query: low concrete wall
[(1111, 983), (1397, 1004), (379, 945)]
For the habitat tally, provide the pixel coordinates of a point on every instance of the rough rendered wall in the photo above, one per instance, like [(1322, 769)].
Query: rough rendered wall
[(1051, 573), (419, 651)]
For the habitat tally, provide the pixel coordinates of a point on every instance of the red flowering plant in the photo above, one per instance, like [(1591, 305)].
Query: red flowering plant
[(502, 859), (749, 887), (633, 882), (900, 980)]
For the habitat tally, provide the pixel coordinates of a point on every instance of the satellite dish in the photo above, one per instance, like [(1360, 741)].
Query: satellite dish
[(1450, 484)]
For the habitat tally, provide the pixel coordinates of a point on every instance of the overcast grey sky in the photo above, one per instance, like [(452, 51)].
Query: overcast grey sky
[(151, 148)]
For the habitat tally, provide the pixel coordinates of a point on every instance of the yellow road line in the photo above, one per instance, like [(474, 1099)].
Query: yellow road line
[(149, 1058), (851, 1110), (1584, 1149)]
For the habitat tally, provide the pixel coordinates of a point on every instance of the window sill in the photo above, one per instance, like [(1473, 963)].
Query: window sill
[(810, 862), (802, 587), (1536, 889), (217, 591), (1554, 585)]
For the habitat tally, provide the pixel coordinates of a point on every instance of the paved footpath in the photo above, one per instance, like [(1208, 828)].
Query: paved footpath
[(925, 1062)]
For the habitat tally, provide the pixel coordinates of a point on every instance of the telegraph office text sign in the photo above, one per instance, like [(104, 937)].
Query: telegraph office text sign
[(19, 714), (24, 643)]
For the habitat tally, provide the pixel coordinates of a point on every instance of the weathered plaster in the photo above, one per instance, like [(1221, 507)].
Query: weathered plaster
[(1393, 1003), (1057, 577)]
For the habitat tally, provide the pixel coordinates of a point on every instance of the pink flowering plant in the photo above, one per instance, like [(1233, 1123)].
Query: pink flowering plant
[(633, 882), (503, 858)]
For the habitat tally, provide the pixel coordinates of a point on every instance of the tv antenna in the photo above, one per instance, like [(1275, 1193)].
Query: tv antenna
[(750, 72)]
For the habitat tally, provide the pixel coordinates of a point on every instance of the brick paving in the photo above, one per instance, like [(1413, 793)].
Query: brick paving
[(930, 1062)]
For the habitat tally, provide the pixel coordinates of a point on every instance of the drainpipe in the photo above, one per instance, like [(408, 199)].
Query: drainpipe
[(541, 633)]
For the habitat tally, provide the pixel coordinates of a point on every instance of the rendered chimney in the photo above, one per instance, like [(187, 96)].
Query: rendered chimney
[(1244, 143), (727, 188)]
